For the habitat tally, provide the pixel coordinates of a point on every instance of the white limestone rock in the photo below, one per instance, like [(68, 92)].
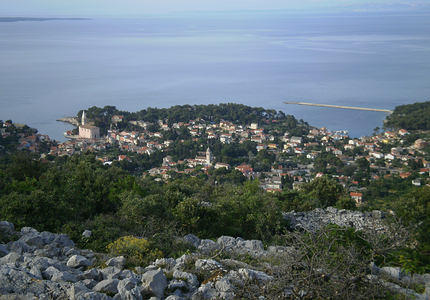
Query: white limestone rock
[(93, 274), (175, 297), (64, 276), (128, 289), (207, 265), (118, 262), (393, 272), (107, 286), (165, 263), (154, 282), (19, 247), (87, 234), (11, 258), (249, 274), (205, 291), (189, 278), (111, 273), (17, 281), (77, 261), (192, 240), (208, 246)]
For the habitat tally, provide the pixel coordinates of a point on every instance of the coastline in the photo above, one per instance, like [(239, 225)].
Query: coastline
[(69, 120)]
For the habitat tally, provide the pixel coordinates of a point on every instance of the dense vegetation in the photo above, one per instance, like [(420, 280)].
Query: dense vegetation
[(75, 193), (72, 194), (80, 191), (411, 117)]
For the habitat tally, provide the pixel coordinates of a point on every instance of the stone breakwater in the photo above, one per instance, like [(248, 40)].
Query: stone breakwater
[(317, 218), (44, 265)]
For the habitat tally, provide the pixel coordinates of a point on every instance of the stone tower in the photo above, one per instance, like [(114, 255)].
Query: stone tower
[(209, 157)]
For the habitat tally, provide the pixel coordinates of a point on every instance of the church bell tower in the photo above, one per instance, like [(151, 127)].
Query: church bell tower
[(83, 118), (209, 157)]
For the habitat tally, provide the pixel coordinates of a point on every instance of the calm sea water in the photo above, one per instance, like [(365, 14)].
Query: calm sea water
[(52, 69)]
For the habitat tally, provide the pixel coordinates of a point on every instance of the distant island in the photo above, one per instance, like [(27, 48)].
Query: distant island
[(26, 19)]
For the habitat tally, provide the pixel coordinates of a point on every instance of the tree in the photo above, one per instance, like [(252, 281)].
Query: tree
[(323, 192), (414, 209), (195, 216), (24, 164), (249, 212), (346, 202), (376, 130), (363, 164), (135, 209), (37, 209), (326, 159)]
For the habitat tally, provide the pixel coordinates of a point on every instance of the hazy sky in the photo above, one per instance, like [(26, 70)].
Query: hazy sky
[(139, 7)]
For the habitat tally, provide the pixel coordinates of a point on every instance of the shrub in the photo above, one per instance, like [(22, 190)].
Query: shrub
[(136, 250)]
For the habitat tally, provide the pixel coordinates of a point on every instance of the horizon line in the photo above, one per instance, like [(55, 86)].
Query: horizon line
[(337, 11)]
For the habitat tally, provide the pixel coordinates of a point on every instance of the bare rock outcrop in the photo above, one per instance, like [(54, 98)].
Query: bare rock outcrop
[(44, 265)]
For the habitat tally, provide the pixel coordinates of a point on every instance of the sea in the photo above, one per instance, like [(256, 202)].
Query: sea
[(51, 69)]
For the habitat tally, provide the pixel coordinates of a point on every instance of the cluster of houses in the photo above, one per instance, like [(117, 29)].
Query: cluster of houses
[(228, 132), (140, 142), (78, 146), (27, 140), (388, 153), (32, 142), (187, 166)]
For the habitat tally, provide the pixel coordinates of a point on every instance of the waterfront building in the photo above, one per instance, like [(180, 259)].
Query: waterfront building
[(87, 131)]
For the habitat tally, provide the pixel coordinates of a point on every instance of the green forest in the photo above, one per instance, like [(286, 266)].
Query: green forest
[(410, 117)]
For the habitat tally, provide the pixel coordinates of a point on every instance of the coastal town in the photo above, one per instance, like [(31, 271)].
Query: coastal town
[(215, 150), (244, 173), (294, 160)]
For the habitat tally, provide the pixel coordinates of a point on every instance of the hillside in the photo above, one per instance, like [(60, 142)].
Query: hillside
[(410, 117)]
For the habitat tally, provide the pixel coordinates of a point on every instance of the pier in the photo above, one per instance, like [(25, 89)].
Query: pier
[(342, 107)]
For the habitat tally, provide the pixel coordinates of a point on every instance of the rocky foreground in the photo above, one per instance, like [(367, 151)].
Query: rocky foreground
[(44, 265)]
